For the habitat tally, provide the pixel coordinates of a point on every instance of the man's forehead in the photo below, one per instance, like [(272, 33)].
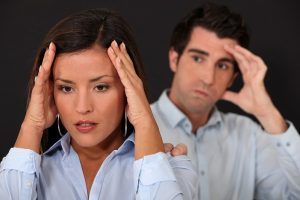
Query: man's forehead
[(201, 34), (207, 41)]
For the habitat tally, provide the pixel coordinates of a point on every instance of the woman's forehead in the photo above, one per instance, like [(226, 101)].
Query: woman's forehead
[(91, 61)]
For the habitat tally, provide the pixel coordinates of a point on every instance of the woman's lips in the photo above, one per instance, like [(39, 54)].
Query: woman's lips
[(85, 126)]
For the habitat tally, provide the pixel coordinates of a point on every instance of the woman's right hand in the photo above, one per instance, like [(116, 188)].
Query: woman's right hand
[(41, 111)]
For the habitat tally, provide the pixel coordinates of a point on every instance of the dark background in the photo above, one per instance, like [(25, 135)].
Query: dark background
[(274, 29)]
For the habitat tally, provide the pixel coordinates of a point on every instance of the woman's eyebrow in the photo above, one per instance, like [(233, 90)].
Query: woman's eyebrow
[(99, 78), (91, 80)]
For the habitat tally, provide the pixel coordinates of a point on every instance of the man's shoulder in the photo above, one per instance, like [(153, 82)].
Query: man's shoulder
[(235, 119), (154, 108), (153, 104)]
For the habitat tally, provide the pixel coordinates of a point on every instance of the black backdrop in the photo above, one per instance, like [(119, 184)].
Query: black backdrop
[(274, 29)]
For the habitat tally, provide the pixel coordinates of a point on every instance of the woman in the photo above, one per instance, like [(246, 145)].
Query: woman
[(88, 73)]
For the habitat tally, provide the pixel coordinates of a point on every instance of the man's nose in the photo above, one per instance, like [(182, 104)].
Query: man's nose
[(208, 75)]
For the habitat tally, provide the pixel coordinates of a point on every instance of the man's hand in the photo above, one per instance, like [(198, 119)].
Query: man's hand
[(253, 97), (179, 149)]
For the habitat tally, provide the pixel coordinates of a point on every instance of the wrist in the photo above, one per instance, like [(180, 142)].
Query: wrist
[(273, 122), (29, 137), (147, 139), (31, 128), (146, 125)]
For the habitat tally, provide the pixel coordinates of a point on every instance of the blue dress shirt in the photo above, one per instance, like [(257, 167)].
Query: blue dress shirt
[(57, 174), (235, 159)]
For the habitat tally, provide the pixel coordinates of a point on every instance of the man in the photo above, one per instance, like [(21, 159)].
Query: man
[(235, 157)]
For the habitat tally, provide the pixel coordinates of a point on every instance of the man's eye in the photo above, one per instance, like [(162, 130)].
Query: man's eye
[(65, 89), (197, 59), (101, 88), (223, 66)]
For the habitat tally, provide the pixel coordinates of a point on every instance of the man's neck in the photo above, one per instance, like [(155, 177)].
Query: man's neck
[(198, 119)]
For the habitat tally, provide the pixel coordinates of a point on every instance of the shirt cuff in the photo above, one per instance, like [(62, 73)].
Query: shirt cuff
[(289, 140), (152, 169), (20, 159)]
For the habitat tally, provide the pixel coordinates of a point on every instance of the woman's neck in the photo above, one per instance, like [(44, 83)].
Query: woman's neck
[(103, 149), (91, 158)]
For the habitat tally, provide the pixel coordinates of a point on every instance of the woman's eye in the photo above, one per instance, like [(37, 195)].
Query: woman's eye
[(101, 88), (197, 59), (66, 89)]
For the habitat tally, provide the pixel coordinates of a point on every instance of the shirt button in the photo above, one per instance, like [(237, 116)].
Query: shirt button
[(278, 144), (202, 173), (288, 144), (29, 184)]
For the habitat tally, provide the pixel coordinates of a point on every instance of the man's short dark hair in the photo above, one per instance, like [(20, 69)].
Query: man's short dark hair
[(215, 18)]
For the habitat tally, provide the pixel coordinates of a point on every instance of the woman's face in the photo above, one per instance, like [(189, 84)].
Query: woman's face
[(89, 96)]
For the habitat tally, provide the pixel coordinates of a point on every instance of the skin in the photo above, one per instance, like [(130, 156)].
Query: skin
[(78, 100), (87, 87), (204, 72)]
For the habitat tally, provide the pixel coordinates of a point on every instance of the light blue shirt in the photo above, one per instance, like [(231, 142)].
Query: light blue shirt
[(57, 174), (234, 157)]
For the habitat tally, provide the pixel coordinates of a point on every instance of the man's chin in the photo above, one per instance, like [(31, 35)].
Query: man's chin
[(200, 108)]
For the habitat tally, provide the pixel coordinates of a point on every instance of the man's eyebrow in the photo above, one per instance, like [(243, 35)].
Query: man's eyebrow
[(199, 51), (232, 61), (91, 80)]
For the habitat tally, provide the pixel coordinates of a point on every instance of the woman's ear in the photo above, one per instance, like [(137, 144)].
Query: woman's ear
[(173, 59)]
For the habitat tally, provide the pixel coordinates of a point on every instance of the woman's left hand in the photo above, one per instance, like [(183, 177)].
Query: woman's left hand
[(147, 136)]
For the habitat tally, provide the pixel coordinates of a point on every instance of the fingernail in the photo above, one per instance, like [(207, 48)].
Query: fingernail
[(40, 68), (111, 51), (51, 46), (115, 43), (123, 46)]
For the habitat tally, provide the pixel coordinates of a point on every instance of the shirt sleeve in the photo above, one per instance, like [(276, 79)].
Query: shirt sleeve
[(154, 177), (278, 165), (186, 175), (18, 174)]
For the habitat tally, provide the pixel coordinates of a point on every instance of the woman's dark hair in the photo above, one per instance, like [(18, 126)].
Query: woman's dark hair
[(215, 18), (81, 31)]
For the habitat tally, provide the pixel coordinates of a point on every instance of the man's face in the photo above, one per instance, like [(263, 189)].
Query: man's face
[(202, 73)]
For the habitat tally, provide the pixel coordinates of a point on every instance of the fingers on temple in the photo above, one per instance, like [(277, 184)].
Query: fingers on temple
[(45, 69), (121, 52), (123, 66), (242, 61)]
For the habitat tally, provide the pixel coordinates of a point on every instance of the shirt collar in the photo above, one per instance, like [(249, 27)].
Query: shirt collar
[(64, 144), (174, 116), (215, 117), (127, 145), (170, 112)]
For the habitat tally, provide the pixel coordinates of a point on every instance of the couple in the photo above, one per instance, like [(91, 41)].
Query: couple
[(87, 85)]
